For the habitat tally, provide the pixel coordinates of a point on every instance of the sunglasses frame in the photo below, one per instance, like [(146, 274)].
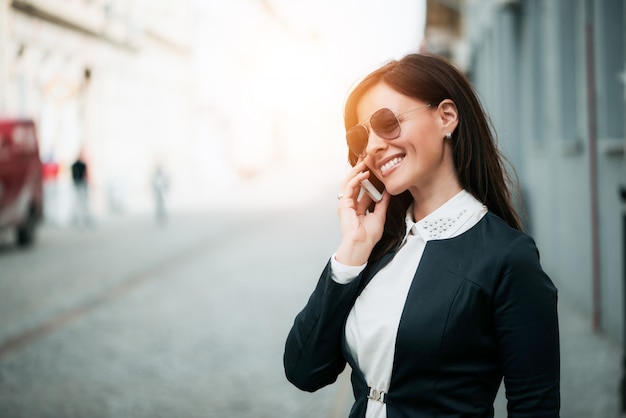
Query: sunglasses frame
[(377, 131)]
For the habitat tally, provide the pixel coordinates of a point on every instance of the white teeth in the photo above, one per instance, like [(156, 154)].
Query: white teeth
[(390, 164)]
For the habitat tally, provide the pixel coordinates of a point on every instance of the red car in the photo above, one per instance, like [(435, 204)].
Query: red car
[(21, 188)]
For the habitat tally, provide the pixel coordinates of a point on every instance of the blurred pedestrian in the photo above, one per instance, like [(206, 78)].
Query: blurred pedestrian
[(159, 188), (50, 174), (82, 213), (434, 293)]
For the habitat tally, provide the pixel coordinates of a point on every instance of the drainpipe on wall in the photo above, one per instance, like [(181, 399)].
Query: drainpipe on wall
[(622, 193), (593, 178)]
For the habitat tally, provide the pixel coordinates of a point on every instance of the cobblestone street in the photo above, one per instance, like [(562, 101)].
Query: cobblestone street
[(188, 320)]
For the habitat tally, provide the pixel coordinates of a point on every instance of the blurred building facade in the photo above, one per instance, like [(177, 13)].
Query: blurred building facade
[(220, 94), (104, 77), (551, 74)]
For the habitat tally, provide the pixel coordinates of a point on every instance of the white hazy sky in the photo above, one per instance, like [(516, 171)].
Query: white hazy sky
[(349, 36), (273, 74)]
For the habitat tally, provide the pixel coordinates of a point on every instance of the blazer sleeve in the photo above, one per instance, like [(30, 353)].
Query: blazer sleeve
[(526, 325), (313, 356)]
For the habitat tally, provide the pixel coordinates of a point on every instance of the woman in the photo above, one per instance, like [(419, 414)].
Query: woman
[(434, 294)]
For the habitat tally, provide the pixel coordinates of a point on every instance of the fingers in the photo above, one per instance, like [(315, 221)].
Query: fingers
[(380, 209), (352, 183), (353, 198)]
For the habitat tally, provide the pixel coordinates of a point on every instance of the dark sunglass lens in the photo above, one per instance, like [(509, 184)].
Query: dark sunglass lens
[(385, 124), (357, 140)]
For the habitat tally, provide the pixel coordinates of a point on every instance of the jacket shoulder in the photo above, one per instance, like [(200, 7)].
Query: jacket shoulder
[(486, 251)]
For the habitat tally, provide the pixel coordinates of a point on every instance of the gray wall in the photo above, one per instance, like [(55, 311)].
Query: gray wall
[(529, 62)]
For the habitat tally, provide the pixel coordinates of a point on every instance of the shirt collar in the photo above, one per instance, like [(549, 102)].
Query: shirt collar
[(445, 221)]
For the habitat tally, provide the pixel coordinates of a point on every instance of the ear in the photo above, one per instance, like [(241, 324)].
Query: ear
[(448, 115)]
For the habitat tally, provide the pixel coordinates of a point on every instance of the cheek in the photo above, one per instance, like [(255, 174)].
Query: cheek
[(429, 151), (424, 142), (422, 135)]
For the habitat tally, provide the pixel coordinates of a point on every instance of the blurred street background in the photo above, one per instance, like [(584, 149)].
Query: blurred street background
[(186, 320), (213, 138)]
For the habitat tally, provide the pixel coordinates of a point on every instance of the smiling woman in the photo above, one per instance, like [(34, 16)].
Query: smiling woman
[(434, 294)]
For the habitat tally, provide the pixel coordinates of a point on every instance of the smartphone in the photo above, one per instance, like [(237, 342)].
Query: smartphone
[(374, 187)]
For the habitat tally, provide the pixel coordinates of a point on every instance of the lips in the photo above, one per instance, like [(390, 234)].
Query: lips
[(391, 163)]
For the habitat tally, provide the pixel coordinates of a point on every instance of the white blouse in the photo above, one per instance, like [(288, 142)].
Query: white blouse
[(373, 322)]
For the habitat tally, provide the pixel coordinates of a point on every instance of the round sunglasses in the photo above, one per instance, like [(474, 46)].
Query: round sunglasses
[(383, 122)]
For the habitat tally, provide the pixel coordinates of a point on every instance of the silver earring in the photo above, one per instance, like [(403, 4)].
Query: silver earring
[(448, 135)]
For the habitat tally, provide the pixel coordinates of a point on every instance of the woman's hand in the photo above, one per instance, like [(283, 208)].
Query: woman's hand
[(360, 229)]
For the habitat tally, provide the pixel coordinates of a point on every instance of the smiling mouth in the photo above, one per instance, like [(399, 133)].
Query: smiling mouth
[(390, 164)]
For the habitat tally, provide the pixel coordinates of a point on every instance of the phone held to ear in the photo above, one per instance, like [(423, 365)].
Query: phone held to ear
[(374, 187)]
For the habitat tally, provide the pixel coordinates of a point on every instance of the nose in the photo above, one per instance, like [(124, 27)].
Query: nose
[(374, 143)]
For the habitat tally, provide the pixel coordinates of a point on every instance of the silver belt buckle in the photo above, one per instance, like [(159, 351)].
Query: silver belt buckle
[(376, 395)]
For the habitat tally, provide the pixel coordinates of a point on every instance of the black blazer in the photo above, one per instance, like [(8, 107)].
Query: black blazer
[(479, 308)]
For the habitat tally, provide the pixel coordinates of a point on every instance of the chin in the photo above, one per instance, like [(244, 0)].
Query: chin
[(395, 191)]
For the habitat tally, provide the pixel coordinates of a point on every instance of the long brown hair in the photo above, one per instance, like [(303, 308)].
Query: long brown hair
[(479, 165)]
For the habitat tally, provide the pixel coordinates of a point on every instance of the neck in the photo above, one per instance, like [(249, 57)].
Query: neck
[(427, 200)]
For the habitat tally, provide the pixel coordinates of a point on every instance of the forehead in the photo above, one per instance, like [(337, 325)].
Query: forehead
[(379, 96)]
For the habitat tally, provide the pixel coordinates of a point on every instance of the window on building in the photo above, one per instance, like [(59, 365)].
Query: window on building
[(533, 72), (567, 71), (609, 65)]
